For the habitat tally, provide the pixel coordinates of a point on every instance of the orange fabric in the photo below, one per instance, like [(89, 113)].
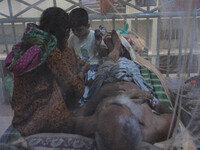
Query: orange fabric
[(106, 5)]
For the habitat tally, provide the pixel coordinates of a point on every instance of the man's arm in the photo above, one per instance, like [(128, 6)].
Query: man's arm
[(162, 108)]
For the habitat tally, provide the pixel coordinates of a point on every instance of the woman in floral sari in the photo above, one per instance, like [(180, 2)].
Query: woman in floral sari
[(48, 77)]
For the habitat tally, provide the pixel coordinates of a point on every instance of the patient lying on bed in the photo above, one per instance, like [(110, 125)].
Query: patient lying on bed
[(122, 105)]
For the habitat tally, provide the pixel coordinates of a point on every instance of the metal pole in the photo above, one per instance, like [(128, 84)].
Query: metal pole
[(147, 28), (192, 39), (4, 37), (54, 3), (180, 47), (136, 25), (113, 23), (158, 43), (169, 45)]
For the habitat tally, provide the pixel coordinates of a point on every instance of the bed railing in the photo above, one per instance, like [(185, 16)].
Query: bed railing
[(171, 36)]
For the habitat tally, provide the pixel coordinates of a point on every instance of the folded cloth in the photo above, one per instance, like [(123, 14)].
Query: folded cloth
[(24, 59)]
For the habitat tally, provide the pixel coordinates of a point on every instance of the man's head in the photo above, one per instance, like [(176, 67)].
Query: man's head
[(117, 128), (79, 22)]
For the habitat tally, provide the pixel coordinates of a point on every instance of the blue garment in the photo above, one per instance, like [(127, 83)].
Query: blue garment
[(90, 75), (124, 69), (129, 71)]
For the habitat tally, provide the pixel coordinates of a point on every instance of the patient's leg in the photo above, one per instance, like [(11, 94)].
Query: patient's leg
[(109, 43)]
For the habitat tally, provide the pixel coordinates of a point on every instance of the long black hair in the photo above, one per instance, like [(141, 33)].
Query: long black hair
[(55, 20)]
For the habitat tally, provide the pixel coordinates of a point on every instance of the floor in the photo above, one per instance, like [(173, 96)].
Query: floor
[(6, 115)]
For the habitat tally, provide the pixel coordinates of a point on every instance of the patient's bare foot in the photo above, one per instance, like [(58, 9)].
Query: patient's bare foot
[(114, 55), (115, 39), (109, 43)]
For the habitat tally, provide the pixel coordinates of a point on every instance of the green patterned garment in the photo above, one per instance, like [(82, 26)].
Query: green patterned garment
[(31, 52), (158, 90), (151, 78)]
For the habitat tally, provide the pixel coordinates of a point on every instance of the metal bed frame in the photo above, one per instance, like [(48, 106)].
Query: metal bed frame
[(146, 13)]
